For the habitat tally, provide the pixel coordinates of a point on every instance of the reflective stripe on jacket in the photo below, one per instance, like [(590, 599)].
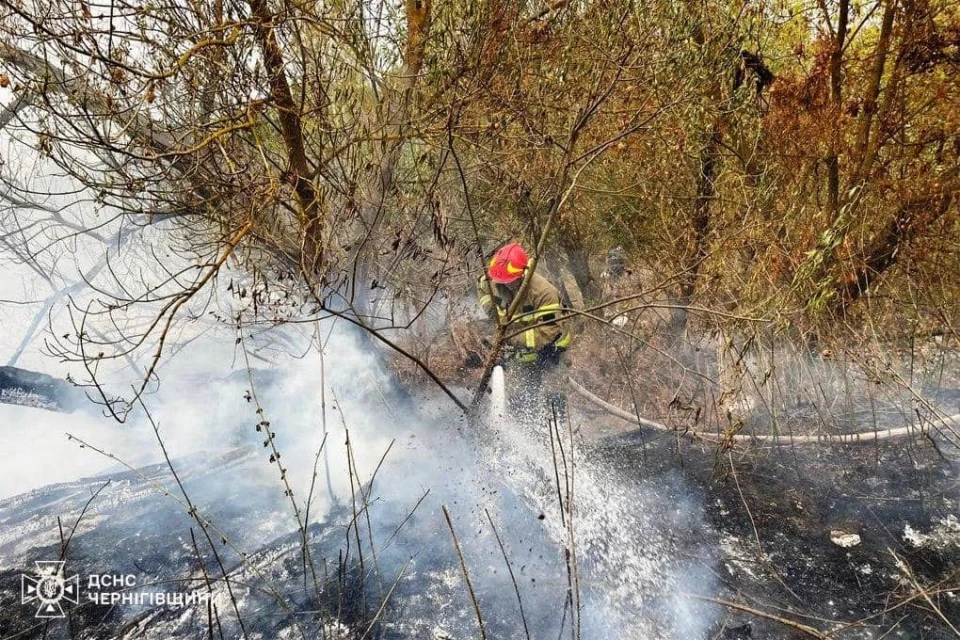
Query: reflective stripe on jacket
[(541, 304)]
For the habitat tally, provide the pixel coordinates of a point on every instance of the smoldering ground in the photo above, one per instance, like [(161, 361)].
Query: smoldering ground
[(374, 527), (383, 556)]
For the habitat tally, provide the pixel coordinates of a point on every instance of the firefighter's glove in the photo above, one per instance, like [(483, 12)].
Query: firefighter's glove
[(526, 355)]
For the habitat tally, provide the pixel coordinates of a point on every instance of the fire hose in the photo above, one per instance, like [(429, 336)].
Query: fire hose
[(862, 437)]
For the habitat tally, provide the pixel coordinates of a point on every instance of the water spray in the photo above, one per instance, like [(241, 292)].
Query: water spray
[(498, 397)]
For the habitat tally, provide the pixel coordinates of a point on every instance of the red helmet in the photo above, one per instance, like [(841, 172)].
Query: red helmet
[(508, 263)]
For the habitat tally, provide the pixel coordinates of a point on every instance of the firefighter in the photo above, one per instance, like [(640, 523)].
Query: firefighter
[(535, 353)]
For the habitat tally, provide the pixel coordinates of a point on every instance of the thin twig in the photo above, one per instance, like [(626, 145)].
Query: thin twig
[(466, 574), (513, 578), (923, 592), (799, 626)]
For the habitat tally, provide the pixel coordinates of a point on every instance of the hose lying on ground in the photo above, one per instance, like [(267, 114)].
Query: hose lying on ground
[(827, 438)]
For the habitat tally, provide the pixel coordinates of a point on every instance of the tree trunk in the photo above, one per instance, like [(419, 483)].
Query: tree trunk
[(836, 99), (700, 223), (395, 109), (309, 198), (578, 261), (910, 220), (876, 77)]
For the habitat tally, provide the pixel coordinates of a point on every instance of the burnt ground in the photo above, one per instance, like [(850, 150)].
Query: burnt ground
[(900, 498)]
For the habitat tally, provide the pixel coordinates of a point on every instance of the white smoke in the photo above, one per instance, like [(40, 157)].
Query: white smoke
[(205, 403)]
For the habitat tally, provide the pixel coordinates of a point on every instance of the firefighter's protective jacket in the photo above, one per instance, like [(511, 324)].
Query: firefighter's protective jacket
[(541, 304)]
